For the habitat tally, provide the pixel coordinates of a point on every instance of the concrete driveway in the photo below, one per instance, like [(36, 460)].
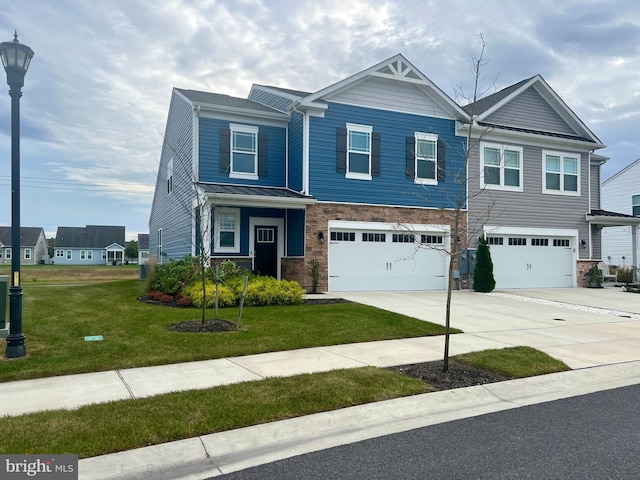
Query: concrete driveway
[(580, 326)]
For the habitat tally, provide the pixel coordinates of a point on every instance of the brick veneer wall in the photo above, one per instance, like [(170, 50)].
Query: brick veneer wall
[(582, 271), (318, 217)]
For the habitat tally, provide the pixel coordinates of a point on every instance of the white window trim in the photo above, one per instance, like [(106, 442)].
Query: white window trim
[(635, 204), (170, 177), (236, 238), (425, 181), (158, 248), (89, 254), (244, 129), (59, 253), (354, 127), (69, 255), (562, 156), (8, 253), (27, 254), (502, 148)]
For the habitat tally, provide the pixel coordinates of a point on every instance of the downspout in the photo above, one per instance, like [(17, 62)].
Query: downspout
[(305, 147), (589, 207)]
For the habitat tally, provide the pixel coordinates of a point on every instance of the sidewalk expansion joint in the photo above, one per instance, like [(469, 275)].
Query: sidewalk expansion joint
[(487, 387), (126, 385)]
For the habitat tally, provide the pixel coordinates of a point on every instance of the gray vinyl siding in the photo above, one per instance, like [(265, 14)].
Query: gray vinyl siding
[(385, 94), (173, 211), (596, 242), (529, 110), (595, 186), (529, 208), (270, 99)]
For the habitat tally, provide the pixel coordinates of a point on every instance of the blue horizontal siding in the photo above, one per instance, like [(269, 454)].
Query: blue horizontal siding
[(392, 187), (295, 233), (295, 152), (209, 154)]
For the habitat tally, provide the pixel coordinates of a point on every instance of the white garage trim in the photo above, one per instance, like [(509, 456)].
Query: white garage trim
[(539, 270), (386, 256)]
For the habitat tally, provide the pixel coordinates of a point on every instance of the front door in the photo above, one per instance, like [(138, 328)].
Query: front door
[(265, 260)]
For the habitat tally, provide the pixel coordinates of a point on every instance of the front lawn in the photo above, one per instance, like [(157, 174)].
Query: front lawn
[(56, 320)]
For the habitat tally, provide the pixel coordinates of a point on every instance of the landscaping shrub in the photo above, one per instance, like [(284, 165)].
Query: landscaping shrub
[(595, 277), (269, 291), (226, 296), (625, 275), (483, 280), (172, 277)]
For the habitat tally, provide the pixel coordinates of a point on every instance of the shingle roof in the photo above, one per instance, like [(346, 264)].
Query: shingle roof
[(297, 93), (225, 101), (489, 101), (28, 236), (91, 236)]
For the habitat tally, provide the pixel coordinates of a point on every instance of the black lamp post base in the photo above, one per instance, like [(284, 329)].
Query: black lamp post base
[(15, 347)]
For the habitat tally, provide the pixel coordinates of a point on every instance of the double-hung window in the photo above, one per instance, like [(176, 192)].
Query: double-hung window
[(561, 173), (7, 253), (426, 158), (501, 167), (244, 152), (27, 254), (359, 151), (635, 205), (227, 225)]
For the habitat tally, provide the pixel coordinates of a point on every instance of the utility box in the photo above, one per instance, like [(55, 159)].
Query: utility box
[(4, 300)]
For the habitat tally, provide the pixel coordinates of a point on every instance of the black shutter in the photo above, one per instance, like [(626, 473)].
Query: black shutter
[(441, 160), (225, 150), (341, 160), (375, 154), (263, 169), (411, 157)]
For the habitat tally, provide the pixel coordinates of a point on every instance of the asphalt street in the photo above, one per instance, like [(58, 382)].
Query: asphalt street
[(595, 436)]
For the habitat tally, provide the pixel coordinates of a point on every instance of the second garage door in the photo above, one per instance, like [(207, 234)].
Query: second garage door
[(521, 261), (362, 258)]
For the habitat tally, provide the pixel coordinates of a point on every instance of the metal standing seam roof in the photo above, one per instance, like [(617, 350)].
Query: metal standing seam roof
[(28, 236), (91, 236), (226, 189)]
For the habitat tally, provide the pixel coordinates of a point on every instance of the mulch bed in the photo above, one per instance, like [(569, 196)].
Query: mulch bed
[(209, 326), (459, 375)]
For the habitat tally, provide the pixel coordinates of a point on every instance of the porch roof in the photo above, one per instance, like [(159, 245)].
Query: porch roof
[(249, 195), (611, 219)]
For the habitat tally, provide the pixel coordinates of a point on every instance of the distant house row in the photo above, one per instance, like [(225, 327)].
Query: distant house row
[(88, 245)]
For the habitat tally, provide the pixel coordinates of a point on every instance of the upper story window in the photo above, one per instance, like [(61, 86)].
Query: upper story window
[(227, 228), (501, 167), (358, 152), (561, 173), (426, 158), (243, 152), (170, 176), (635, 205)]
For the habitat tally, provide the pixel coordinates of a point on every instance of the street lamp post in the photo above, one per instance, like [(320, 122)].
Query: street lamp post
[(15, 59)]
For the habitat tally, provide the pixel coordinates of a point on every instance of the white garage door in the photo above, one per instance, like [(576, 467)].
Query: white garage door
[(532, 261), (373, 259)]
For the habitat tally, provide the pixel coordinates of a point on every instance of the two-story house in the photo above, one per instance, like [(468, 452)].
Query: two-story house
[(359, 176), (362, 178)]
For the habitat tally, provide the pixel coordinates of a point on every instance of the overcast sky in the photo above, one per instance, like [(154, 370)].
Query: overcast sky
[(96, 96)]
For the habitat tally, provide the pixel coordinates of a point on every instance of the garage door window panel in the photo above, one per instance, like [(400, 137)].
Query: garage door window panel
[(517, 242)]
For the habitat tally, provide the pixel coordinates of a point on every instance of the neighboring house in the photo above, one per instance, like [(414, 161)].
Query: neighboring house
[(33, 245), (143, 248), (90, 245), (621, 193), (363, 177), (534, 187)]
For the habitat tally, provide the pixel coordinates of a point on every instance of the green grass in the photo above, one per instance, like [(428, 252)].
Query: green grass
[(57, 318), (71, 274), (515, 362), (113, 427)]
